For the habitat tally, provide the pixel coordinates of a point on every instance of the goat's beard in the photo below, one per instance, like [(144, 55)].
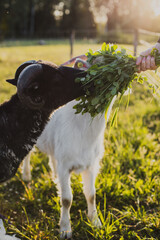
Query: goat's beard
[(8, 165)]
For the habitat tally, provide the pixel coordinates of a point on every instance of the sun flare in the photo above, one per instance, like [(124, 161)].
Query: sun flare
[(156, 7)]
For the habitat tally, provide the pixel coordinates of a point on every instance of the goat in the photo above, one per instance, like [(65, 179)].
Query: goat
[(73, 142), (3, 235), (41, 88)]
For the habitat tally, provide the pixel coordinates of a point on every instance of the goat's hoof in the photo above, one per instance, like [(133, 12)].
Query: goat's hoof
[(65, 235), (96, 222), (65, 231)]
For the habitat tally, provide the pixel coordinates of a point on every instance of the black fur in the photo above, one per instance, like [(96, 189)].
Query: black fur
[(20, 126), (19, 70)]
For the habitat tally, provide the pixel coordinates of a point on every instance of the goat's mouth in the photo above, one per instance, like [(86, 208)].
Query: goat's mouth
[(33, 102)]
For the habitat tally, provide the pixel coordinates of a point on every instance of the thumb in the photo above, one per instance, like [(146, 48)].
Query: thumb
[(146, 53)]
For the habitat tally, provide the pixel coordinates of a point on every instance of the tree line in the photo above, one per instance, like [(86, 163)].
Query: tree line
[(34, 18), (45, 18)]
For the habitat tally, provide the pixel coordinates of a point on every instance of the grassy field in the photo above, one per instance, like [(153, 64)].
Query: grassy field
[(128, 186)]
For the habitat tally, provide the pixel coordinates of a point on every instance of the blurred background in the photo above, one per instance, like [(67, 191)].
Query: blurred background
[(103, 20)]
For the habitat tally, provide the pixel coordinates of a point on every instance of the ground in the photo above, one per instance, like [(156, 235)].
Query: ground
[(128, 186)]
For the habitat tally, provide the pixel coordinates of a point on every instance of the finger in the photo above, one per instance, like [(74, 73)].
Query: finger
[(143, 64), (157, 46), (146, 53), (153, 64), (148, 62), (139, 59)]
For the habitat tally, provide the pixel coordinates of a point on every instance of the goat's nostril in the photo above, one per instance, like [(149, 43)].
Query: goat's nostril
[(37, 99)]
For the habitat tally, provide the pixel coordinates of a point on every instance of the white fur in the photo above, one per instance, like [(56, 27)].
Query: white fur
[(73, 142), (3, 235)]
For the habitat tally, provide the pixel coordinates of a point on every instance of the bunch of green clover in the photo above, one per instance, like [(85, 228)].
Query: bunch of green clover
[(111, 73)]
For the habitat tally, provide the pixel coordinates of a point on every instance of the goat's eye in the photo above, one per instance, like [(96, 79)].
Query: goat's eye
[(35, 87)]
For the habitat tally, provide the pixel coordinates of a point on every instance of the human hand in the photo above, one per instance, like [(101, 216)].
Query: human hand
[(145, 61)]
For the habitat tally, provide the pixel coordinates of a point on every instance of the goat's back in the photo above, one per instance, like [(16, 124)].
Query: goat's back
[(75, 140)]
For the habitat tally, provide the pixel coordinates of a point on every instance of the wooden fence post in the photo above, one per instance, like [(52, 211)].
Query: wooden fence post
[(72, 37), (135, 43)]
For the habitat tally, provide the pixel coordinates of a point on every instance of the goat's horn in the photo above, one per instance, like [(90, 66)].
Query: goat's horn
[(18, 71), (25, 83), (22, 66)]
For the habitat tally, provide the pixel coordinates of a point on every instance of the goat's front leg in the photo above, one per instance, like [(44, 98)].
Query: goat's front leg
[(26, 171), (66, 201), (89, 176), (53, 167)]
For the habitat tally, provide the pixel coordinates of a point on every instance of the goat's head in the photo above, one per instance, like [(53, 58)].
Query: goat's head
[(44, 85)]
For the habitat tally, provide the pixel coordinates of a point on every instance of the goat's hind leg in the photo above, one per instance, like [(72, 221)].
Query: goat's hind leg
[(66, 201), (26, 170), (89, 176)]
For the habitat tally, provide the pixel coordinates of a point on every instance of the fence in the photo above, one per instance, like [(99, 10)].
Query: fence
[(144, 37), (148, 38), (120, 37), (135, 37)]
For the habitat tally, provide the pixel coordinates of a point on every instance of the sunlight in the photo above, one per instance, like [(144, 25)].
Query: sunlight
[(156, 7)]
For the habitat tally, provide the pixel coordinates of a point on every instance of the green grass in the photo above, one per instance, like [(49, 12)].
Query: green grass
[(128, 186)]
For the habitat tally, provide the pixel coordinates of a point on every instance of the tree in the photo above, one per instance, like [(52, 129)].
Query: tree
[(29, 18), (125, 13), (78, 16), (13, 17), (45, 22)]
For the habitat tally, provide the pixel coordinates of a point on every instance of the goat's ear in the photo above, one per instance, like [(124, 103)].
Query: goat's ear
[(19, 70), (12, 81)]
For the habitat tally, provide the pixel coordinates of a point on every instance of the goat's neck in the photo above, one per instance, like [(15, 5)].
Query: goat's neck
[(19, 129)]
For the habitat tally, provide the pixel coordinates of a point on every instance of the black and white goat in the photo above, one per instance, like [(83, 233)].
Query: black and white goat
[(42, 87), (73, 142)]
